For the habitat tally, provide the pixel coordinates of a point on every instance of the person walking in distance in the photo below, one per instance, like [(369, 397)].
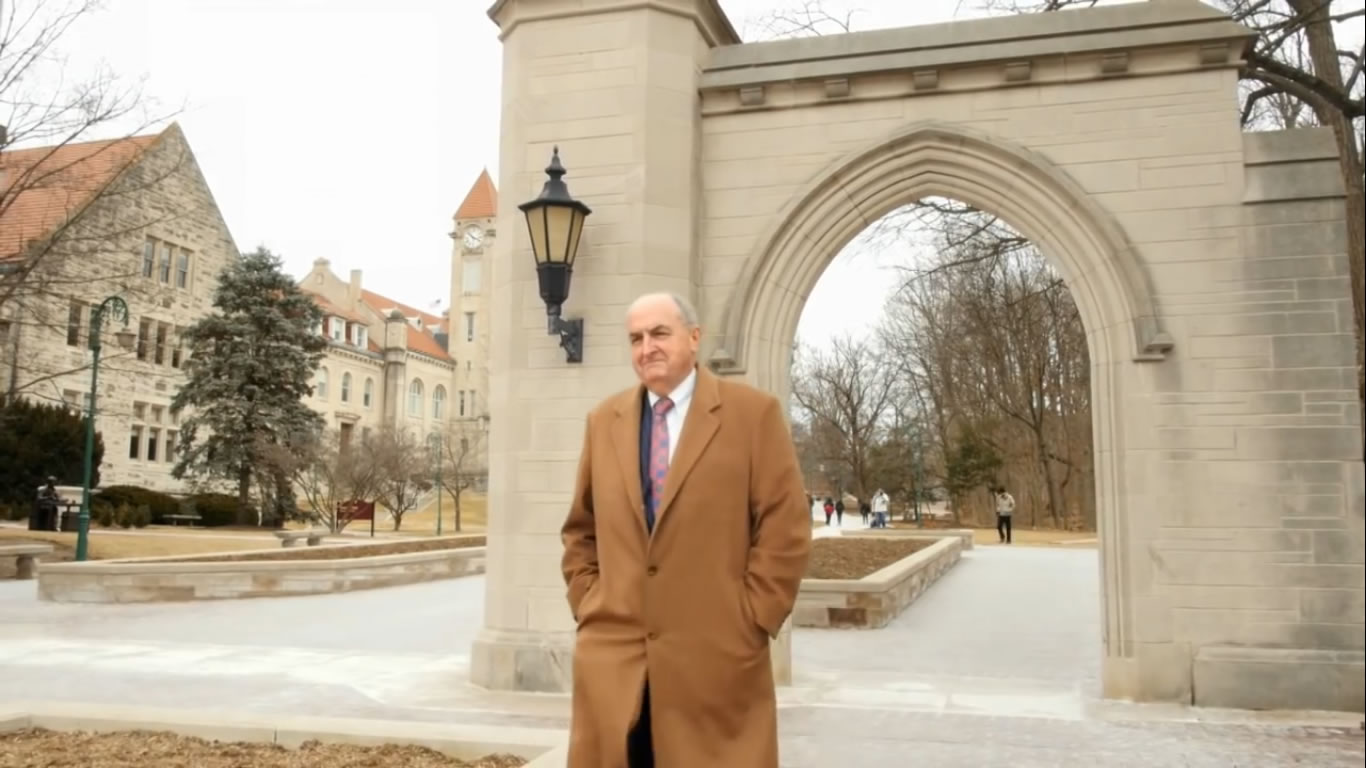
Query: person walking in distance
[(1005, 509), (684, 547)]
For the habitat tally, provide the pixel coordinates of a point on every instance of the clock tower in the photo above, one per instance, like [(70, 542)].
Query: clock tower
[(471, 280)]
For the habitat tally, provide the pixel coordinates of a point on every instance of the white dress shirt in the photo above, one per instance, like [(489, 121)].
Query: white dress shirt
[(682, 398)]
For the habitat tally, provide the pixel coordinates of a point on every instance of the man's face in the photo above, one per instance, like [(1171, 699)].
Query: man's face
[(663, 350)]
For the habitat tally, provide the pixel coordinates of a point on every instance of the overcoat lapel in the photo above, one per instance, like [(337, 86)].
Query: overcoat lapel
[(698, 430), (626, 442)]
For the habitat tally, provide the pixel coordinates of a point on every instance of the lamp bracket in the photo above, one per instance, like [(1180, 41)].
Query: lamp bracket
[(571, 336)]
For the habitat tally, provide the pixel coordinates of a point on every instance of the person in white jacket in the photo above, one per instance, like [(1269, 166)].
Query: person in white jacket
[(1005, 509), (880, 509)]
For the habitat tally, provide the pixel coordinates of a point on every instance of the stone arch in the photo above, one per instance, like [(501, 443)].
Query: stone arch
[(1083, 242), (1024, 188)]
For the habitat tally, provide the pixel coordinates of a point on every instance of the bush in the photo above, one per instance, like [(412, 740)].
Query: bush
[(218, 509), (123, 516), (157, 503), (102, 512)]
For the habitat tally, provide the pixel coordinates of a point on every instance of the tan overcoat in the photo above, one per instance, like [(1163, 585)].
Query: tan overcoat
[(694, 604)]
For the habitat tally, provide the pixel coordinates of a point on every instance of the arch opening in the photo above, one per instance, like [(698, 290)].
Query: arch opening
[(1076, 237)]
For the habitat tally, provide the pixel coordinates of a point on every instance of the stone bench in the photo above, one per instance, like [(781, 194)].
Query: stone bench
[(289, 538), (175, 519), (25, 557)]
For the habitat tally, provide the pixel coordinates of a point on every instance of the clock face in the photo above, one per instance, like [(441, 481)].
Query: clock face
[(474, 237)]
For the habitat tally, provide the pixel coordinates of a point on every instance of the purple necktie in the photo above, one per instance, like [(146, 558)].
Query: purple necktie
[(659, 457)]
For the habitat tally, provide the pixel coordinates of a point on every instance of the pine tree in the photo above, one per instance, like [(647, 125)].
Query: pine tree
[(252, 362)]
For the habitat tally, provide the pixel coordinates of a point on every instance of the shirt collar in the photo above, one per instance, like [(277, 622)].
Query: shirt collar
[(681, 394)]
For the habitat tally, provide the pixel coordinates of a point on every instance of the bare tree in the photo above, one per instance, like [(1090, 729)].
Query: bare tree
[(462, 448), (333, 475), (403, 470), (845, 391), (63, 196)]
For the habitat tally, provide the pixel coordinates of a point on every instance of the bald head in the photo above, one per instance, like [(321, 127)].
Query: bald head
[(664, 333)]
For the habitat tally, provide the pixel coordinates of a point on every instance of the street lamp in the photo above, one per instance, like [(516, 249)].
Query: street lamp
[(119, 310), (555, 222)]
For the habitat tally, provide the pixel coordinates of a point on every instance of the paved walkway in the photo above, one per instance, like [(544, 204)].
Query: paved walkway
[(995, 665)]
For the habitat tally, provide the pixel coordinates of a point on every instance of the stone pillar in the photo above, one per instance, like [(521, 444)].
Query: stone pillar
[(614, 85)]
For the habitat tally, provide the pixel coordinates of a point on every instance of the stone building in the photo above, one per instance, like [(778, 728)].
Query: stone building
[(391, 363), (134, 217), (131, 217)]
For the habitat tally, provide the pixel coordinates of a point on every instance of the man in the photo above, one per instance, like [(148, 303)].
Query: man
[(685, 544), (880, 507), (1005, 510)]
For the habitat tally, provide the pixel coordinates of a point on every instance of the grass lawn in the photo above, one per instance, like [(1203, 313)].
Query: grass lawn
[(474, 517), (152, 541)]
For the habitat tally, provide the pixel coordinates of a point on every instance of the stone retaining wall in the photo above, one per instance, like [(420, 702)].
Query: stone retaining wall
[(963, 534), (874, 600), (166, 579)]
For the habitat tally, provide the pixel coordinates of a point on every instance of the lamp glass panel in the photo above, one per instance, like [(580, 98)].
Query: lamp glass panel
[(575, 231), (559, 219), (535, 222)]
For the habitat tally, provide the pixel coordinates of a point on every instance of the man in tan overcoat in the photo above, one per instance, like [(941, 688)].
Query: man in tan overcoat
[(685, 545)]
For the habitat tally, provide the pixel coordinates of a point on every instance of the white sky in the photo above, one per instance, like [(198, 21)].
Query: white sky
[(352, 129)]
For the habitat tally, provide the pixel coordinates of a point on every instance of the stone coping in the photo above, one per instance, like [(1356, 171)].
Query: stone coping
[(962, 534), (544, 748), (971, 42), (196, 564), (177, 579)]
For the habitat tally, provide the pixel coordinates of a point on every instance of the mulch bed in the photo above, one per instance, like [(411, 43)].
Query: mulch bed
[(854, 558), (39, 748), (339, 552)]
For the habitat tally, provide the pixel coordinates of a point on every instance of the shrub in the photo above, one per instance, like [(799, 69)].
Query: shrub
[(157, 503), (217, 509), (102, 512), (123, 516), (37, 441)]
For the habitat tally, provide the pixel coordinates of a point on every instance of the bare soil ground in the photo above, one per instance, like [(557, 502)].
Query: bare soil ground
[(347, 551), (38, 748), (854, 558)]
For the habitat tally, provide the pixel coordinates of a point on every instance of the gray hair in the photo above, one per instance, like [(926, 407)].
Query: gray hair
[(686, 311)]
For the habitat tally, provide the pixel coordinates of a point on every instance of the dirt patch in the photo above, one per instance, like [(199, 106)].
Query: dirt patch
[(854, 558), (341, 551), (38, 748)]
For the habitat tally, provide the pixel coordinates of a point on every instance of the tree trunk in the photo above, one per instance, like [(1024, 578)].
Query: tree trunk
[(1047, 466), (243, 489), (1323, 53)]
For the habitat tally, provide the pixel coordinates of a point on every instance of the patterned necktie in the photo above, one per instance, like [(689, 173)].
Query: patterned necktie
[(659, 458)]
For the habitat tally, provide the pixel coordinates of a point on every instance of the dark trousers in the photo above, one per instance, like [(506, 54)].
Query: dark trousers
[(640, 750), (1003, 527)]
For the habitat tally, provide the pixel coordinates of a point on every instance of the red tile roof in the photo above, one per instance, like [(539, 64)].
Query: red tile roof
[(329, 308), (419, 340), (482, 200), (55, 183)]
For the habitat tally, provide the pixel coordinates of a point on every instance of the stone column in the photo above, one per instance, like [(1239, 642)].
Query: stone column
[(613, 83)]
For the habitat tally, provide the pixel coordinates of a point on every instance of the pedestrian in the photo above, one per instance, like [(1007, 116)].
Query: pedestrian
[(1005, 510), (839, 513), (684, 548), (829, 510), (880, 504), (864, 509)]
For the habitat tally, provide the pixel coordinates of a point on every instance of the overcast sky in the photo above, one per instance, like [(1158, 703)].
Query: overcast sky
[(351, 129)]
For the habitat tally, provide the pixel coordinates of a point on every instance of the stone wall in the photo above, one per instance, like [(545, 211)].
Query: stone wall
[(874, 600), (169, 579)]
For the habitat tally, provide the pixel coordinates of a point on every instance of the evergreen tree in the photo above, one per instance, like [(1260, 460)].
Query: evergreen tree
[(38, 441), (251, 363)]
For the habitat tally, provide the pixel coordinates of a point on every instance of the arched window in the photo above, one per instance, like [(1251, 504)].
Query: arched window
[(368, 396), (415, 398), (346, 388), (439, 402), (320, 386)]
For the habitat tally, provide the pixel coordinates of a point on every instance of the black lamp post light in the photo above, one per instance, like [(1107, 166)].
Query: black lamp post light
[(555, 222)]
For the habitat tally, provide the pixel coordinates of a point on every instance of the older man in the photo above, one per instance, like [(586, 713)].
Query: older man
[(685, 544)]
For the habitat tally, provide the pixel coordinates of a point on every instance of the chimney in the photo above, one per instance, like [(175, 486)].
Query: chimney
[(353, 290)]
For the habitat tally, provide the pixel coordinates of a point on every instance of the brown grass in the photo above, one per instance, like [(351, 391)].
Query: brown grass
[(38, 748), (1026, 537), (854, 558), (118, 546), (347, 551)]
